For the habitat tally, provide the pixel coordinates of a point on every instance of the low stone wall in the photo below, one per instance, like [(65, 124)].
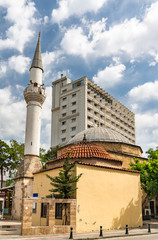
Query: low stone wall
[(28, 229)]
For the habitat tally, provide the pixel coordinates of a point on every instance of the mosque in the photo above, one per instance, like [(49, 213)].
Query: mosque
[(108, 193)]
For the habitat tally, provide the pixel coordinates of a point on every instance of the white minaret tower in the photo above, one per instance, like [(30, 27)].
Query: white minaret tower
[(34, 96)]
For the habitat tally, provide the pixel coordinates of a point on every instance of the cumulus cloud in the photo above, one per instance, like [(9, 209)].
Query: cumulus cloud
[(46, 120), (3, 69), (50, 60), (145, 92), (147, 128), (109, 76), (22, 20), (11, 106), (19, 63), (132, 37), (69, 8), (76, 43)]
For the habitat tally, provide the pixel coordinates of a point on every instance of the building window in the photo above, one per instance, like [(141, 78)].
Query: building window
[(63, 114), (73, 111), (63, 131), (34, 209), (58, 210), (73, 120), (73, 128), (63, 107), (72, 136), (64, 90), (64, 99), (64, 123), (44, 210), (73, 103), (63, 139), (77, 84), (74, 95)]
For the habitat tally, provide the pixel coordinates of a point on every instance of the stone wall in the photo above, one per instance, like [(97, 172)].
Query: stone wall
[(51, 228), (24, 183)]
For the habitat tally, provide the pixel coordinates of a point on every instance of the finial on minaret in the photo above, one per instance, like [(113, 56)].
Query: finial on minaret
[(84, 137), (37, 59)]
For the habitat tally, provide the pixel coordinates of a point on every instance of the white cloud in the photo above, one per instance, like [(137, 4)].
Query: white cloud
[(12, 112), (76, 43), (19, 63), (50, 60), (110, 76), (20, 13), (146, 92), (3, 68), (46, 19), (69, 8), (46, 120), (134, 37), (147, 128)]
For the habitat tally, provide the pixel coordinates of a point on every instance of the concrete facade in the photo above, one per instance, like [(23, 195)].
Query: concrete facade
[(82, 104)]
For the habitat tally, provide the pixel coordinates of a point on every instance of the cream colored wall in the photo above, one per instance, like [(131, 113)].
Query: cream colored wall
[(108, 198), (42, 186), (42, 182)]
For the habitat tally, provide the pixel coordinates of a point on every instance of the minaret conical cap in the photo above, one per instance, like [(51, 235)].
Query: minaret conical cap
[(37, 59)]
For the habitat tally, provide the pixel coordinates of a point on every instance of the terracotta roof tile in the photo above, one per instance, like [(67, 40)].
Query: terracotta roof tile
[(84, 149)]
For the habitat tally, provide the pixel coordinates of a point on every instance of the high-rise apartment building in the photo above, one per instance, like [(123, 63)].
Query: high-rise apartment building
[(82, 104)]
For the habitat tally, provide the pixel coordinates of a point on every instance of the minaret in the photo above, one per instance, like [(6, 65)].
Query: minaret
[(34, 96)]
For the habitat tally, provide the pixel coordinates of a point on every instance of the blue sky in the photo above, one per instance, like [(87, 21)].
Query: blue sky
[(112, 42)]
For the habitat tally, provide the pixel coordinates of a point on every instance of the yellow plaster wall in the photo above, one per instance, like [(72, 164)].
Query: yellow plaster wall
[(42, 186), (108, 198), (42, 182)]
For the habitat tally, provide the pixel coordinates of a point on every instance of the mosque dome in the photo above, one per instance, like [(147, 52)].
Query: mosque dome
[(99, 134)]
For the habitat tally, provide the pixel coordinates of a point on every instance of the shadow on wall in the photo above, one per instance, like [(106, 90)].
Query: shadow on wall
[(129, 216)]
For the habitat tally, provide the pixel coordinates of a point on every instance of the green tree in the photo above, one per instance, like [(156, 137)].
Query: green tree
[(16, 156), (49, 155), (4, 158), (148, 172), (64, 184)]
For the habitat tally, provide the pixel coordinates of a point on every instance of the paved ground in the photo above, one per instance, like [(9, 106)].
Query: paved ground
[(137, 233)]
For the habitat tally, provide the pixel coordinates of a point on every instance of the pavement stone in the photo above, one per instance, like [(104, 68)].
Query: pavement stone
[(90, 235)]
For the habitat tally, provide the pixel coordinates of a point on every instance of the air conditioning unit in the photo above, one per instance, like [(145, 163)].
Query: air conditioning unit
[(147, 212)]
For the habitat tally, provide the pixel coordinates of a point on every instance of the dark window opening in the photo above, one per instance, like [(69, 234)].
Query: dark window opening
[(58, 210), (44, 210)]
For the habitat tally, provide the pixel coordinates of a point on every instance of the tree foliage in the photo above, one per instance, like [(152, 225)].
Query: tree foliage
[(4, 158), (64, 184), (46, 156), (149, 172)]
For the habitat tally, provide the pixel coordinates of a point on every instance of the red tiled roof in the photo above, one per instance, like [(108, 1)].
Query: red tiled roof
[(85, 150), (91, 165)]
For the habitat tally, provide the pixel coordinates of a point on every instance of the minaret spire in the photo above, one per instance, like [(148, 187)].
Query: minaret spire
[(37, 59)]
